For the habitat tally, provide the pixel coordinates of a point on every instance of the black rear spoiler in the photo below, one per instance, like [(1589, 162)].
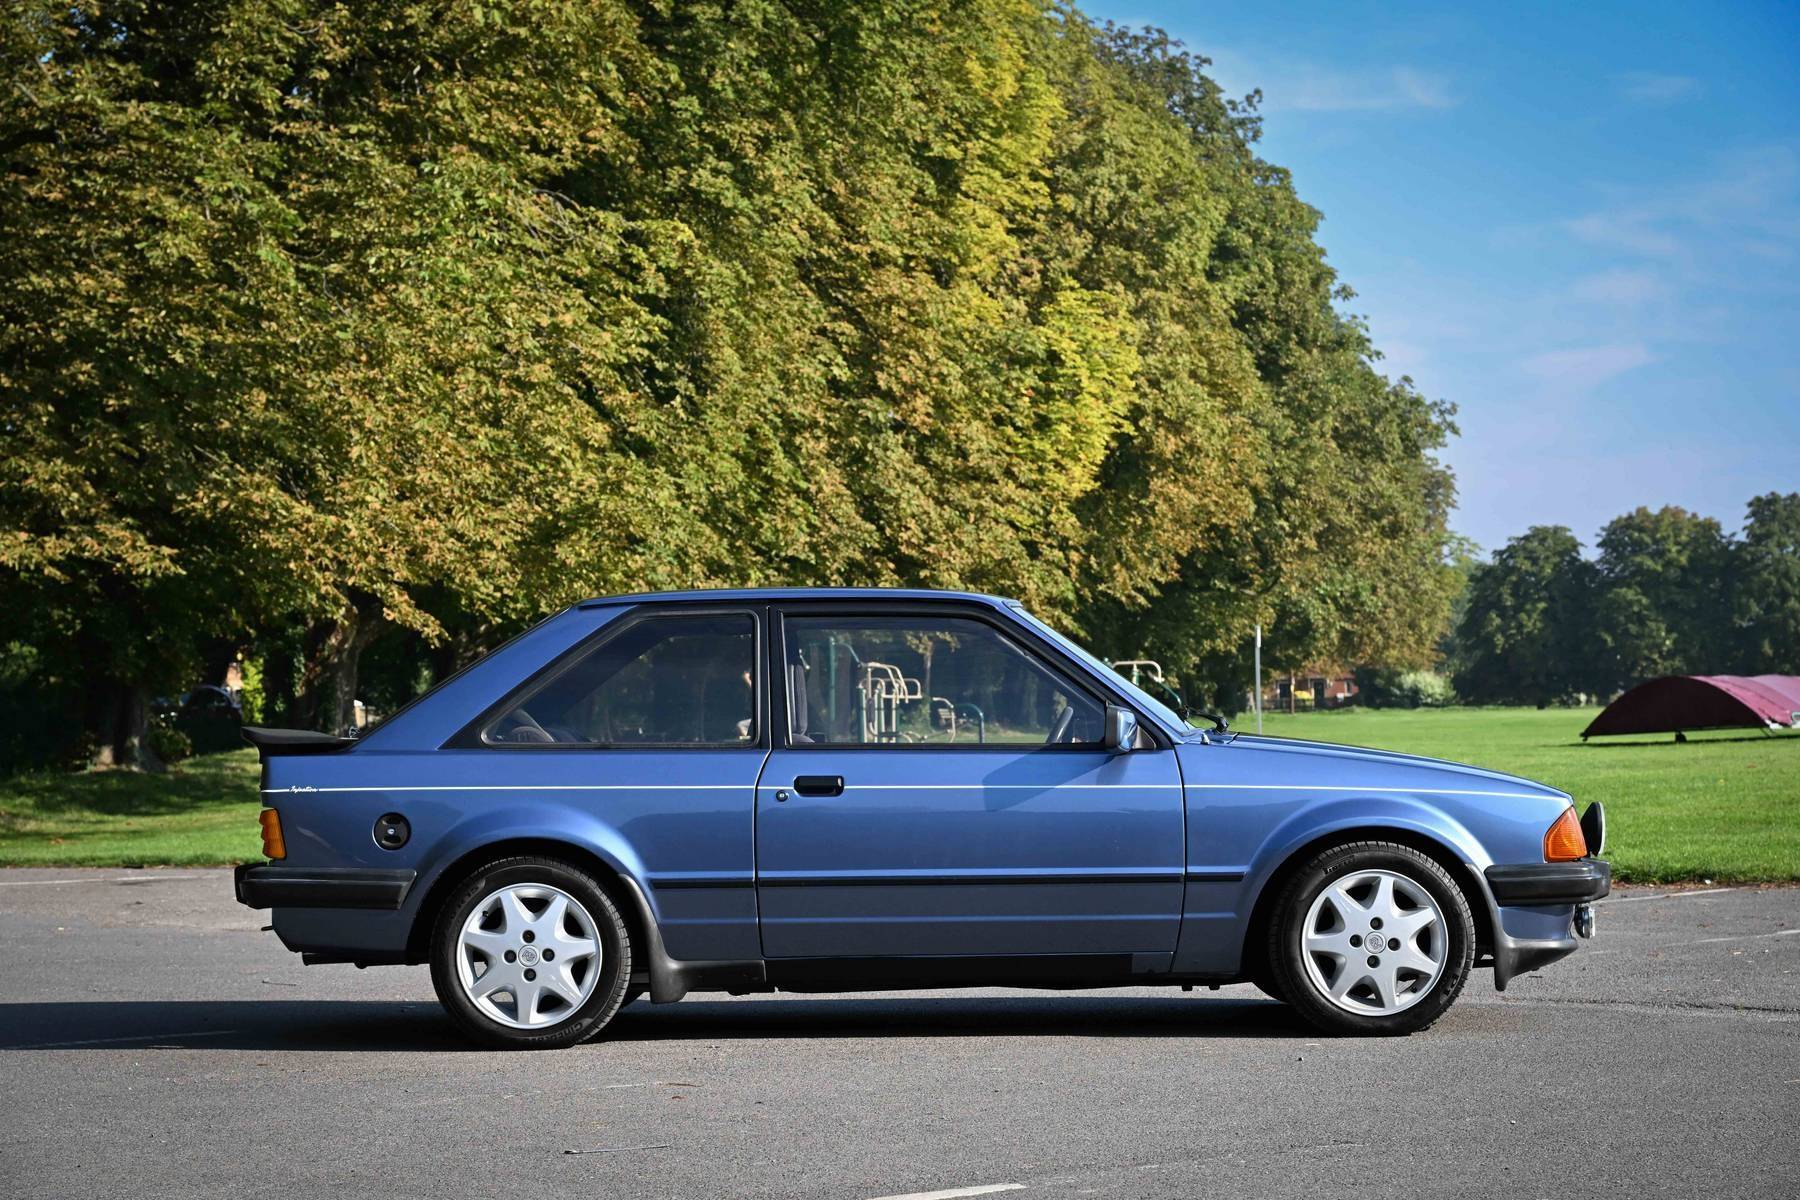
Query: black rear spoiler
[(273, 743)]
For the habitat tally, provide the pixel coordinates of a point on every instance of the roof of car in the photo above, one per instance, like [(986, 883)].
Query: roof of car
[(794, 593)]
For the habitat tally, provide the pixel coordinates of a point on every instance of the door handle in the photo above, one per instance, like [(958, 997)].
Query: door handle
[(819, 785)]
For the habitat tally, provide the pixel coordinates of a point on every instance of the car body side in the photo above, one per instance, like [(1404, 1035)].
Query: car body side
[(673, 832)]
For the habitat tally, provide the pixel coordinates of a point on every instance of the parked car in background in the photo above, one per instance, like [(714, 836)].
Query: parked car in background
[(822, 790), (211, 716)]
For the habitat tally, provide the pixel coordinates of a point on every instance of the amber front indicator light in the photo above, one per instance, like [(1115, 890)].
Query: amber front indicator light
[(274, 847), (1563, 841)]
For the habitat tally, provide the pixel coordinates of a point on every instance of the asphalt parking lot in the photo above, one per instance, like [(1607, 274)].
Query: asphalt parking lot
[(154, 1043)]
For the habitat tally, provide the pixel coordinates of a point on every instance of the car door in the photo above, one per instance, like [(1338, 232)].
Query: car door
[(938, 787)]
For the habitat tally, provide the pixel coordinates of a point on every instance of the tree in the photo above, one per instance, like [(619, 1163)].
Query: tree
[(293, 331), (1526, 634), (327, 327), (1662, 607), (1766, 596), (1274, 476)]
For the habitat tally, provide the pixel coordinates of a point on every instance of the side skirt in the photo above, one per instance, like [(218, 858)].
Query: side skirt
[(1060, 971)]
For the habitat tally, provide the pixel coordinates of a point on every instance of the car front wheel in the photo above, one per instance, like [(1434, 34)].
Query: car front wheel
[(1371, 938), (530, 953)]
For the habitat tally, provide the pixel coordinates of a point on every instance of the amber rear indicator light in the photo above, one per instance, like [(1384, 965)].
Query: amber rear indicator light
[(273, 846), (1563, 841)]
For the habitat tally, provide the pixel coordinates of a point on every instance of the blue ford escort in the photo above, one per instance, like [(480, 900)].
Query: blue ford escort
[(838, 789)]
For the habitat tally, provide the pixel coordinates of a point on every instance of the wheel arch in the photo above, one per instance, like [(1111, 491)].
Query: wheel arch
[(1462, 873), (626, 895)]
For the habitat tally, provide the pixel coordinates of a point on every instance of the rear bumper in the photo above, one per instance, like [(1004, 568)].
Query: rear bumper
[(1550, 883), (271, 885)]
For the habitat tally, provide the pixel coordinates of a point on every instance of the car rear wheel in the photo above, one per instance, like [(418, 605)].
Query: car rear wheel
[(530, 953), (1371, 938)]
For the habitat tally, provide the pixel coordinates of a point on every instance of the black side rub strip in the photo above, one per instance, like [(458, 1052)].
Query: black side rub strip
[(789, 881), (276, 886), (1550, 883)]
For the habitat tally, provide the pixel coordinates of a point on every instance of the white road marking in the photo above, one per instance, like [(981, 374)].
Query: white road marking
[(109, 879), (141, 1037), (986, 1189), (1665, 896), (1746, 937)]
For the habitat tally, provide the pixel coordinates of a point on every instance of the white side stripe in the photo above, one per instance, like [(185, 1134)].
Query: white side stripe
[(1346, 787), (303, 789), (1000, 787)]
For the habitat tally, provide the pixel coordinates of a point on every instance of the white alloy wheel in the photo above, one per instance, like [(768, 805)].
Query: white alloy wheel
[(1374, 942), (529, 956)]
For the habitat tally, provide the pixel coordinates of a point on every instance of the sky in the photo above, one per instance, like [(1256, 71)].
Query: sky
[(1578, 224)]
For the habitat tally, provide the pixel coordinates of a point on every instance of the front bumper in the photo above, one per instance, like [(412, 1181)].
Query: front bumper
[(1580, 882), (272, 885), (1549, 908)]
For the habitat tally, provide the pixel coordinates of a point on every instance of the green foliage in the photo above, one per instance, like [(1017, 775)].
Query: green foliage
[(327, 324), (251, 697), (168, 743), (40, 713), (1526, 630), (1766, 596), (1659, 606), (1670, 593), (1383, 687)]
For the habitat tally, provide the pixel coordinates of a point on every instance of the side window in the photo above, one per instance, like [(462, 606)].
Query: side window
[(664, 681), (926, 681)]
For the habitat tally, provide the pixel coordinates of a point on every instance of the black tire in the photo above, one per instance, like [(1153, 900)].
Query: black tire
[(1287, 962), (615, 945)]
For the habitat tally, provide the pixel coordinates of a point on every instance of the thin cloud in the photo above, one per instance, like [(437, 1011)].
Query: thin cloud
[(1648, 87), (1369, 91), (1586, 367), (1636, 231), (1294, 85), (1750, 204), (1620, 288)]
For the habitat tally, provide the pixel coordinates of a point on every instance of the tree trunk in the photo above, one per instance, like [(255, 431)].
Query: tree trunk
[(279, 703), (216, 660), (119, 718), (308, 711), (327, 694)]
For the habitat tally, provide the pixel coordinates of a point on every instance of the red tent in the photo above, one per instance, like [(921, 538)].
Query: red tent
[(1785, 686), (1675, 703)]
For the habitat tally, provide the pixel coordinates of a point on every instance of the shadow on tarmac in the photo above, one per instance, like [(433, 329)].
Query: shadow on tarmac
[(420, 1026)]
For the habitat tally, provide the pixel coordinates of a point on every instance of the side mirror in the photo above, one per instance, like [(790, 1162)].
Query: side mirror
[(1121, 729)]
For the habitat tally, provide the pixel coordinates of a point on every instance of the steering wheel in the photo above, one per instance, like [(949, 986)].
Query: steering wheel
[(527, 721), (1059, 728)]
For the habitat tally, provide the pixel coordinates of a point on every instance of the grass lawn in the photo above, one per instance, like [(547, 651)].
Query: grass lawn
[(1723, 806), (203, 812)]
